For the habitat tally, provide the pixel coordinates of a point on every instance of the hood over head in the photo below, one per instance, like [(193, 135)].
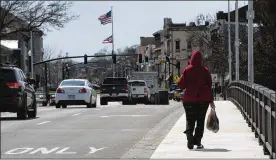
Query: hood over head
[(196, 59)]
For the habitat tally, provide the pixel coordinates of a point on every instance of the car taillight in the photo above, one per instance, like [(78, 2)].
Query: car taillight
[(60, 90), (13, 85), (83, 90), (126, 89), (145, 90)]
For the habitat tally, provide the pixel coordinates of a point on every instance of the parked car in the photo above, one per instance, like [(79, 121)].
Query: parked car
[(173, 87), (177, 95), (17, 94), (75, 92)]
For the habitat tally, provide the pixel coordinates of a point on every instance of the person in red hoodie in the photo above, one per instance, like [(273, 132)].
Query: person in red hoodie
[(196, 82)]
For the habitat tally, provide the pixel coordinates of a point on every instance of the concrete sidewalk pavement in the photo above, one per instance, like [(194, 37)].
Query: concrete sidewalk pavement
[(233, 140)]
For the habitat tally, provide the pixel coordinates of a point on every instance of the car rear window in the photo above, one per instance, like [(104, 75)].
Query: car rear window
[(115, 81), (7, 75), (137, 83), (73, 83)]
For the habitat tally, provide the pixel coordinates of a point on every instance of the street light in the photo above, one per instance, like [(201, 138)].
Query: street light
[(229, 44), (237, 40), (250, 17)]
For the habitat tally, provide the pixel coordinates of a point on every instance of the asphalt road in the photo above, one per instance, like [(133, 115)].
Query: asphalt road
[(77, 132)]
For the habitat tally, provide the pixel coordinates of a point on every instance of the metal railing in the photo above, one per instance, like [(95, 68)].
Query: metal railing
[(258, 106)]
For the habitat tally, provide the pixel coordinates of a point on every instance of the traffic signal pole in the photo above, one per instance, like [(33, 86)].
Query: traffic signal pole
[(46, 82)]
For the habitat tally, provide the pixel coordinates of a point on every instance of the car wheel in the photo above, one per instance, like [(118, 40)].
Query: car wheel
[(57, 105), (22, 112), (103, 101), (64, 106), (44, 103), (32, 114)]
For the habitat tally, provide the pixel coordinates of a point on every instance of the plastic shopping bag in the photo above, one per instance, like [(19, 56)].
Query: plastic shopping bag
[(212, 121)]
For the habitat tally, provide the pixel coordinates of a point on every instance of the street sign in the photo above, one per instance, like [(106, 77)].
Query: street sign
[(162, 59), (175, 79)]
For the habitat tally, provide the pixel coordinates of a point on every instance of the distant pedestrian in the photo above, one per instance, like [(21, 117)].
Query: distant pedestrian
[(196, 82)]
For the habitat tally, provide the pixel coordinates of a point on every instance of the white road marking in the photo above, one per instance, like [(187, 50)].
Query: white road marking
[(19, 150), (43, 122), (63, 151), (44, 150), (124, 116), (76, 114), (94, 150)]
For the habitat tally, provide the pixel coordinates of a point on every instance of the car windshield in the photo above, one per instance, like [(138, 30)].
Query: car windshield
[(73, 83), (137, 83), (115, 81)]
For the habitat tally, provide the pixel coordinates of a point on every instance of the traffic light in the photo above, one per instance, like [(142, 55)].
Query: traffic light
[(114, 58), (140, 58), (85, 59), (66, 71), (146, 59), (167, 59), (177, 65)]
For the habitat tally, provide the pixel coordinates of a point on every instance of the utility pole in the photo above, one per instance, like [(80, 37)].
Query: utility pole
[(229, 44), (250, 17), (32, 54), (237, 43)]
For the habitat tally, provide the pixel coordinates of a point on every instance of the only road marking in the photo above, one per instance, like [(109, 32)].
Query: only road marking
[(63, 151), (44, 150)]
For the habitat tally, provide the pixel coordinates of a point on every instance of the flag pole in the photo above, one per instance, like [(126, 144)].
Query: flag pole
[(113, 65)]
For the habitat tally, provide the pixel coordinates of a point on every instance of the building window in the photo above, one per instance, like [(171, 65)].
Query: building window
[(177, 46)]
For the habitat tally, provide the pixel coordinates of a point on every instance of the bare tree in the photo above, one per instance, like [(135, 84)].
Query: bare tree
[(214, 45), (48, 53), (23, 16)]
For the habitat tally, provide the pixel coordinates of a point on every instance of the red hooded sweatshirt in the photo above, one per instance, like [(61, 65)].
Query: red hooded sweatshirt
[(196, 81)]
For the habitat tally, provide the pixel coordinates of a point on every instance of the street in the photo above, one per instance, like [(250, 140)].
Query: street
[(111, 131)]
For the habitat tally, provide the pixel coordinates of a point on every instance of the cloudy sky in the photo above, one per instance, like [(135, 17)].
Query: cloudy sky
[(131, 20)]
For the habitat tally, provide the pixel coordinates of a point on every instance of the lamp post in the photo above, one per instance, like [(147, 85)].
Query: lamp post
[(250, 17), (32, 54), (229, 44), (237, 43)]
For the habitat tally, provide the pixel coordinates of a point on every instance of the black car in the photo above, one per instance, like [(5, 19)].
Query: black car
[(17, 95), (114, 89)]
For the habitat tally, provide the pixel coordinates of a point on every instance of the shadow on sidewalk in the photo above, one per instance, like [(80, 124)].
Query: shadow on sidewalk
[(212, 150)]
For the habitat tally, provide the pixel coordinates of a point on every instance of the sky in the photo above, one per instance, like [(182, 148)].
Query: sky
[(132, 20)]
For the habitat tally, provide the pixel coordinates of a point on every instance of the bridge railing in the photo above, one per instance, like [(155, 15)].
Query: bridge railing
[(258, 106)]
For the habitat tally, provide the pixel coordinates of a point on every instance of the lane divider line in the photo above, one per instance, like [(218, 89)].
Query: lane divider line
[(43, 122), (76, 114)]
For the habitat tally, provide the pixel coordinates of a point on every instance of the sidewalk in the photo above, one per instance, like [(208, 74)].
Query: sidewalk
[(233, 140)]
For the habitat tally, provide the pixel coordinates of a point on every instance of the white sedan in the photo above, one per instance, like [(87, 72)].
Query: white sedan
[(75, 92)]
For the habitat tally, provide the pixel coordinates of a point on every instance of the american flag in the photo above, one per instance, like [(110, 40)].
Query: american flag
[(108, 40), (106, 18)]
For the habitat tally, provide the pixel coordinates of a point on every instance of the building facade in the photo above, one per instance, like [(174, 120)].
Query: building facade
[(179, 44)]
